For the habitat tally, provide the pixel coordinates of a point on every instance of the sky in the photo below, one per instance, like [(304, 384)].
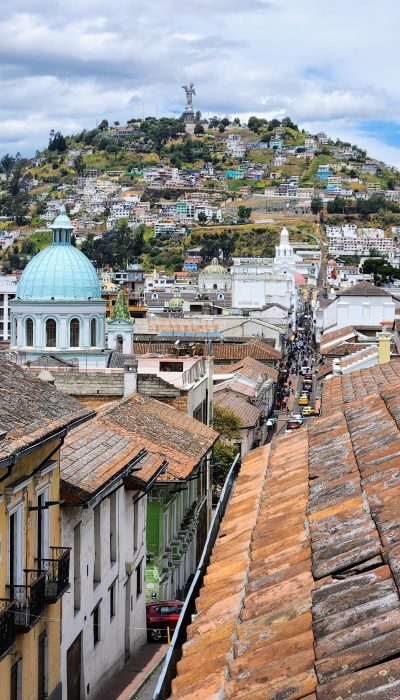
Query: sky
[(329, 66)]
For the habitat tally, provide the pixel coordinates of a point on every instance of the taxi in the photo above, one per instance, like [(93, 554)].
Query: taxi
[(303, 401), (308, 411)]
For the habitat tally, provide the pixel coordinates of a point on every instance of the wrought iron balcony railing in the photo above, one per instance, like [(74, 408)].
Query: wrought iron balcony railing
[(56, 571), (7, 626), (29, 601)]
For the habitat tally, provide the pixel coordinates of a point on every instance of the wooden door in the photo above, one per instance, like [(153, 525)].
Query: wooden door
[(74, 669)]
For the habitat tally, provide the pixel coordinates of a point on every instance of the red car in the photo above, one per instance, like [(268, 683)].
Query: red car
[(293, 425), (161, 615)]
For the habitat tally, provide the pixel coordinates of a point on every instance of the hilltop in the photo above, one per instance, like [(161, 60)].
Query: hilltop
[(227, 187)]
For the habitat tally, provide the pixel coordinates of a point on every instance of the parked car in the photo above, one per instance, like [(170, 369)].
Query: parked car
[(308, 411), (305, 369), (160, 616), (308, 376), (303, 400), (296, 416), (271, 422), (293, 425)]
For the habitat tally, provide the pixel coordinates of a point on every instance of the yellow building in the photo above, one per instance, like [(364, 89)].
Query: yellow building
[(34, 568)]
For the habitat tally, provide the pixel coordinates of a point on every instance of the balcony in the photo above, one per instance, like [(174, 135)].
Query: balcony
[(7, 626), (29, 601), (56, 571)]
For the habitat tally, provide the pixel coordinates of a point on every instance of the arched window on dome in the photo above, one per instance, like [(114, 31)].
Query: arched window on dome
[(29, 333), (15, 331), (93, 333), (74, 331), (51, 333)]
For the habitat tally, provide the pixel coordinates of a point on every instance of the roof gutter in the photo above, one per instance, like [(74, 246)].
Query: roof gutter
[(168, 673)]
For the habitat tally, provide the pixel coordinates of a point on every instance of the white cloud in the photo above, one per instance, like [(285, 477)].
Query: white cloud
[(64, 65)]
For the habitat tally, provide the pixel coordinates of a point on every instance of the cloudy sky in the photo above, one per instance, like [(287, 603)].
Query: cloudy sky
[(330, 66)]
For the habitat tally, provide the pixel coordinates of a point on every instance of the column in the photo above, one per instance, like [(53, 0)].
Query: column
[(63, 335), (5, 317)]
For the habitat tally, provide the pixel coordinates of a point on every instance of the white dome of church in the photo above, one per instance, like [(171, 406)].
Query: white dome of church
[(60, 271), (214, 268)]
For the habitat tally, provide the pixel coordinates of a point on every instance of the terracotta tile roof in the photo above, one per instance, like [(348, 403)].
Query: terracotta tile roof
[(340, 350), (360, 384), (301, 596), (31, 409), (98, 450), (256, 349), (363, 289), (336, 337), (249, 367), (247, 413)]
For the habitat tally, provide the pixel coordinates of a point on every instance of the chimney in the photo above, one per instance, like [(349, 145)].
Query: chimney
[(336, 368), (130, 375), (384, 347)]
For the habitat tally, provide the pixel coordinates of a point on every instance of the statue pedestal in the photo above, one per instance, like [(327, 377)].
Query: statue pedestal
[(188, 118)]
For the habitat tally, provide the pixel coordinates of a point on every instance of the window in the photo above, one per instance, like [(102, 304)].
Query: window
[(93, 333), (112, 600), (42, 666), (96, 625), (135, 525), (51, 333), (97, 545), (154, 295), (139, 579), (29, 332), (16, 681), (74, 328), (113, 527), (77, 567), (43, 526), (16, 571)]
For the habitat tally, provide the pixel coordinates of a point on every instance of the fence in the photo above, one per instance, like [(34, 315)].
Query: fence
[(168, 673)]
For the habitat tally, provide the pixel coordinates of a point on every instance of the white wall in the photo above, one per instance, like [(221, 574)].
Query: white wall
[(108, 656)]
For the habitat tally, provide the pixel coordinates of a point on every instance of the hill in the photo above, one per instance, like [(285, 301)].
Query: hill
[(250, 179)]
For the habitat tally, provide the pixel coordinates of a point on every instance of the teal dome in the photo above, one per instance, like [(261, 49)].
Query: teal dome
[(60, 271)]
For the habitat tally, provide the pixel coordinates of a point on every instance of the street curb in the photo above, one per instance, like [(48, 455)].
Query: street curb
[(150, 673)]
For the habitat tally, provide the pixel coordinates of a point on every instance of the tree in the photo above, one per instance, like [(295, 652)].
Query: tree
[(236, 121), (79, 165), (316, 205), (57, 142), (221, 128), (198, 129), (225, 121), (197, 116), (228, 424), (7, 163), (103, 126), (244, 213), (116, 123), (254, 124), (202, 217)]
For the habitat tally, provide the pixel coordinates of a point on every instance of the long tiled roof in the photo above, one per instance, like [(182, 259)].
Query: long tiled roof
[(220, 351), (342, 389), (301, 597), (100, 449), (30, 409)]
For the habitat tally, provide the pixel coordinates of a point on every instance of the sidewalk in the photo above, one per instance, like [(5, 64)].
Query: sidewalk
[(134, 674), (290, 402)]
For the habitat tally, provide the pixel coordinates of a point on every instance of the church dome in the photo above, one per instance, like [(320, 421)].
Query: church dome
[(60, 271), (214, 268)]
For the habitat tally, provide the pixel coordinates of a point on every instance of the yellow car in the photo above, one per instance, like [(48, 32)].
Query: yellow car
[(303, 401), (308, 411)]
